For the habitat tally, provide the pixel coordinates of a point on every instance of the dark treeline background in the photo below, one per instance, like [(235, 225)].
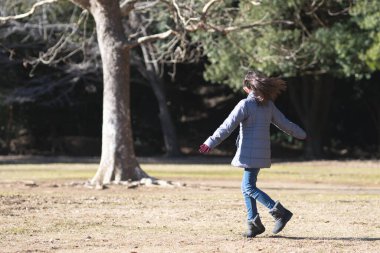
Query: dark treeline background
[(73, 126), (56, 108)]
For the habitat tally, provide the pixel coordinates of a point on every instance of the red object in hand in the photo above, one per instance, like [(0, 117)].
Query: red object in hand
[(204, 148)]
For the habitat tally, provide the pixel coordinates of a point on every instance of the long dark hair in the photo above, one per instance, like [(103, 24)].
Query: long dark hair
[(265, 88)]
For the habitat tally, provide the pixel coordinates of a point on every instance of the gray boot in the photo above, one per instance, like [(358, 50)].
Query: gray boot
[(255, 227), (281, 215)]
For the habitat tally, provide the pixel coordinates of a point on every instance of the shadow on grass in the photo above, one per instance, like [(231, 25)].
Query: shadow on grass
[(184, 159), (15, 159), (27, 159), (327, 238)]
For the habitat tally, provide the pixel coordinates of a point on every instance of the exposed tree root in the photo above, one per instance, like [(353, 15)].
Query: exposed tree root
[(148, 181)]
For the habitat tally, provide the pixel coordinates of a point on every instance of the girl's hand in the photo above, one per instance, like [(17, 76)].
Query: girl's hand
[(204, 148)]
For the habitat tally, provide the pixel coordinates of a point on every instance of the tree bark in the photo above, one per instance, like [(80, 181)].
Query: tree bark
[(118, 161), (312, 100), (167, 125)]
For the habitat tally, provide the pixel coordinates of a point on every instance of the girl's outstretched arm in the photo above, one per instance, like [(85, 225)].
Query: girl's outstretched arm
[(286, 125), (238, 114)]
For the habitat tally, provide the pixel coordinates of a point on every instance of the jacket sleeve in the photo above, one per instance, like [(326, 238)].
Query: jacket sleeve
[(238, 114), (280, 121)]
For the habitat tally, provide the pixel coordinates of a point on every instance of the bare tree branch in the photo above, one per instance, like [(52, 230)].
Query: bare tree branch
[(130, 5), (178, 11), (28, 13), (344, 11), (201, 24), (315, 7), (207, 7), (85, 4), (127, 6), (253, 25), (51, 54), (150, 38)]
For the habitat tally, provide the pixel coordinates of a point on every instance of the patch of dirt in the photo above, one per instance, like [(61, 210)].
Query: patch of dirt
[(204, 216)]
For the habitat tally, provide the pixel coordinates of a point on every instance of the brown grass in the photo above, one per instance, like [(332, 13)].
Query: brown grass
[(340, 215)]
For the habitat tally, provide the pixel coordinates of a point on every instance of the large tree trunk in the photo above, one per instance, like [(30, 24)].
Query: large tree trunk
[(167, 125), (150, 69), (312, 99), (118, 161)]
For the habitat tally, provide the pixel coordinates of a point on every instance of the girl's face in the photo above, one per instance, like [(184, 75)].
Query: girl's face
[(257, 93)]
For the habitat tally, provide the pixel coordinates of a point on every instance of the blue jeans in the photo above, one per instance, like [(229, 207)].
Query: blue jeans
[(251, 193)]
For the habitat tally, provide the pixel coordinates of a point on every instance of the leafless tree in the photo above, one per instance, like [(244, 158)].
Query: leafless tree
[(118, 161)]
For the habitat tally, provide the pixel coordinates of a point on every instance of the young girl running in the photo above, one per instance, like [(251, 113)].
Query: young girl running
[(255, 114)]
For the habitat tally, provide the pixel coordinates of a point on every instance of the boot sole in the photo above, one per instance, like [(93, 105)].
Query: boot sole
[(254, 235)]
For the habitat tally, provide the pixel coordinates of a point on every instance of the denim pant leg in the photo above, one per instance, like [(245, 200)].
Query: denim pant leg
[(251, 193)]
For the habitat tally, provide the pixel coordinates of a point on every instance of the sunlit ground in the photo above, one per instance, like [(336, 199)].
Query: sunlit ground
[(335, 206), (344, 172)]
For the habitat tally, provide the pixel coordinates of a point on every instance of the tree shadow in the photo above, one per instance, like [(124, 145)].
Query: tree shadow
[(37, 159), (184, 159), (327, 238), (31, 159)]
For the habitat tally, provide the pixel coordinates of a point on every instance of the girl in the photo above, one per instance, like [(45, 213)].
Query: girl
[(255, 114)]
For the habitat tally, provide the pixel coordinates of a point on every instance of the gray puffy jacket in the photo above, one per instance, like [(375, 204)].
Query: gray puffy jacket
[(253, 144)]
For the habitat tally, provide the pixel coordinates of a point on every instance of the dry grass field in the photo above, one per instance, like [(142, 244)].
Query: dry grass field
[(46, 208)]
